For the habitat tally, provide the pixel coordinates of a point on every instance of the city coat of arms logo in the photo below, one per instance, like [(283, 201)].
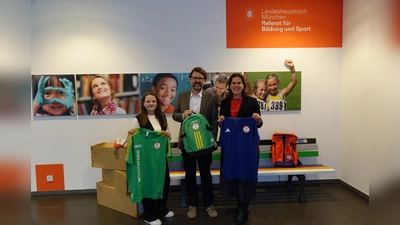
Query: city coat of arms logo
[(249, 13)]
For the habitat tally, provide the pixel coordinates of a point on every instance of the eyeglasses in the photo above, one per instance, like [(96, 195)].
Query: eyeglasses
[(197, 78)]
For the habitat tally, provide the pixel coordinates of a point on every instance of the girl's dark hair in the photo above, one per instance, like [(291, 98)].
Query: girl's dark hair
[(49, 83), (244, 93), (158, 113)]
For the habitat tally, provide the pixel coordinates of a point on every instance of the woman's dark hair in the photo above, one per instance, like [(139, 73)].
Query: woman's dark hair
[(143, 119), (244, 93), (159, 76)]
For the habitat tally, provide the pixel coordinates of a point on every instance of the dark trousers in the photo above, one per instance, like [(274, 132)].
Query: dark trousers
[(204, 164), (156, 209)]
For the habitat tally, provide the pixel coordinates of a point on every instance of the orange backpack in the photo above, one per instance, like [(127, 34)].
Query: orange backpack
[(284, 149)]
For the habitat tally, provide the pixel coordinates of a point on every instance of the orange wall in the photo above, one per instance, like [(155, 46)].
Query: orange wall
[(55, 170), (284, 24)]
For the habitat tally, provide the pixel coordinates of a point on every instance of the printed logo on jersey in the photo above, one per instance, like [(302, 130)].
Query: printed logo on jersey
[(289, 157), (157, 145), (195, 126), (198, 139), (227, 130), (138, 165), (246, 129)]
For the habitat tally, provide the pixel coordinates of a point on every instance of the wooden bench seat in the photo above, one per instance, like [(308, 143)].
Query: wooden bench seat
[(269, 171)]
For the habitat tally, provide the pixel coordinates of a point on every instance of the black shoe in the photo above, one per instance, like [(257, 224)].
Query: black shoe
[(236, 211), (242, 216)]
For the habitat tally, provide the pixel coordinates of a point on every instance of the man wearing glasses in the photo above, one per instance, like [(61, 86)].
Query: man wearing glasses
[(196, 100)]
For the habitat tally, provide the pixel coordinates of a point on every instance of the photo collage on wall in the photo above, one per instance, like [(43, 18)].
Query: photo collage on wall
[(119, 94)]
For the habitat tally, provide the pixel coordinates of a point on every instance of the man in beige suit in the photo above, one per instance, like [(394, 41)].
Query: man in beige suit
[(196, 100)]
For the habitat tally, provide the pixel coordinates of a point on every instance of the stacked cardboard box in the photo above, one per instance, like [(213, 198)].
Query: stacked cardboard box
[(113, 190)]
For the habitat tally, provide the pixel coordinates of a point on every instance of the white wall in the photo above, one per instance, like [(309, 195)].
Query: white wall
[(355, 96), (384, 120), (103, 36)]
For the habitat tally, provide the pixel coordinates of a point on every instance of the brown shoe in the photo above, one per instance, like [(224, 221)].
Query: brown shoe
[(192, 212), (211, 211)]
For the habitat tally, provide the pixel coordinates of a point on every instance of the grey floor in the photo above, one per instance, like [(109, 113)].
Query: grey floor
[(327, 204)]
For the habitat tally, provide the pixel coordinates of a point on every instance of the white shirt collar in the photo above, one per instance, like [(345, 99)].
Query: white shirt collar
[(200, 94)]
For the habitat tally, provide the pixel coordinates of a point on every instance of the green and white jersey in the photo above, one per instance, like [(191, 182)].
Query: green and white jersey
[(146, 164)]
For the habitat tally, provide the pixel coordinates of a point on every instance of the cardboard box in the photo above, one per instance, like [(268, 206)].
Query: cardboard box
[(105, 156), (110, 197), (117, 179)]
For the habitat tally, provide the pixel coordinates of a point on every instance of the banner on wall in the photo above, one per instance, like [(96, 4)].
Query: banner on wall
[(85, 94), (166, 86), (53, 95), (284, 24), (276, 91), (119, 94), (107, 94)]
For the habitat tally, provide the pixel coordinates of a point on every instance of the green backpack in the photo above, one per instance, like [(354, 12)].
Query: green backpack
[(197, 136)]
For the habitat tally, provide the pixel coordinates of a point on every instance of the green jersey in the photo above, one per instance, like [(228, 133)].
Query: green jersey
[(146, 164)]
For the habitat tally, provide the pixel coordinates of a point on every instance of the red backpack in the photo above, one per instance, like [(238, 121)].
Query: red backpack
[(284, 149)]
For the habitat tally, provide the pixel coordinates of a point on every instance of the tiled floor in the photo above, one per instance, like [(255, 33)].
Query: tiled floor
[(327, 204)]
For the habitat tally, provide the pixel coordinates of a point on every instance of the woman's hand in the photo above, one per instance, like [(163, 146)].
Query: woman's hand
[(167, 133), (257, 117), (131, 131), (221, 118)]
